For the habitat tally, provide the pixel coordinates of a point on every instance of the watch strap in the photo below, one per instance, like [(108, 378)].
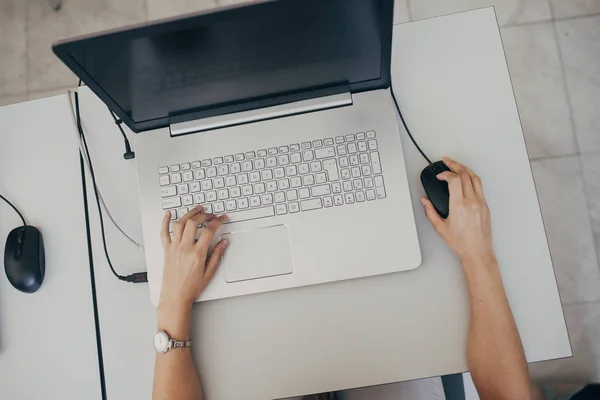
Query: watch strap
[(175, 344)]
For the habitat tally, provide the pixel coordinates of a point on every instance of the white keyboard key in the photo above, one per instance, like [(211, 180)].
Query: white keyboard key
[(311, 204), (273, 151), (211, 196), (283, 159), (352, 148), (296, 158), (183, 188), (375, 162), (172, 202), (223, 194), (175, 168), (185, 166), (371, 134), (324, 153), (320, 190), (219, 207), (219, 183), (271, 186), (181, 212), (199, 198), (278, 173), (173, 215), (223, 170), (345, 173), (254, 176), (259, 188), (303, 168), (242, 203), (196, 164), (283, 184), (211, 172), (360, 136), (242, 179), (176, 178), (308, 180), (308, 155), (379, 187), (317, 143), (291, 170), (304, 193), (259, 163), (349, 197), (284, 149), (355, 172), (339, 139), (254, 201), (206, 185), (328, 142), (350, 137), (228, 159), (208, 208), (218, 160), (271, 162), (247, 190), (338, 200), (371, 194), (320, 177), (235, 168), (281, 209), (235, 192), (187, 200), (163, 170), (206, 163), (358, 184), (354, 159), (168, 191), (292, 195), (294, 207), (327, 201), (336, 187), (199, 174), (306, 145), (347, 186), (230, 205), (164, 180), (372, 144), (250, 155), (344, 162), (364, 158), (230, 181), (362, 146), (279, 197), (295, 147), (315, 166), (368, 182), (360, 196), (341, 149), (330, 166), (261, 153), (247, 166), (267, 198), (366, 170), (239, 157), (296, 181), (187, 176)]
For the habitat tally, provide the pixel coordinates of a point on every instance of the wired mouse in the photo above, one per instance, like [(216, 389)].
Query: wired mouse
[(436, 190), (24, 259)]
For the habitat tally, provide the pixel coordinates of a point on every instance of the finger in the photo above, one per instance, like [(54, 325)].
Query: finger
[(192, 225), (164, 229), (180, 225), (477, 184), (215, 259), (462, 172), (454, 183), (436, 220), (209, 232)]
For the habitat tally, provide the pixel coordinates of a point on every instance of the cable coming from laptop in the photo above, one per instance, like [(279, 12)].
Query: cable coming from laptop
[(406, 127), (14, 208)]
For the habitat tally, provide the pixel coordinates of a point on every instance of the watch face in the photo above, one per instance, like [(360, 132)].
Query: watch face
[(161, 342)]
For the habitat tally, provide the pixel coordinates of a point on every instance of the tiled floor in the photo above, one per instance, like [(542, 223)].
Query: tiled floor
[(553, 50)]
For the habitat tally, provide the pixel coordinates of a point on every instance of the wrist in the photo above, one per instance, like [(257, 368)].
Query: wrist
[(174, 319)]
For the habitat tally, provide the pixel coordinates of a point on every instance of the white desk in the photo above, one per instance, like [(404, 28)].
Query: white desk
[(453, 85), (47, 339)]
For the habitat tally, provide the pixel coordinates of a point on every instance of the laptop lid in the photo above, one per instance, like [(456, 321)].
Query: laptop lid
[(235, 59)]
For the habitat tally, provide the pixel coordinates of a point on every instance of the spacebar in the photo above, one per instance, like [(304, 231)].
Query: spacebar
[(237, 216)]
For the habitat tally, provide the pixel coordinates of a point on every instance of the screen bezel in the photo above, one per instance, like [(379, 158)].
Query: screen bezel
[(63, 50)]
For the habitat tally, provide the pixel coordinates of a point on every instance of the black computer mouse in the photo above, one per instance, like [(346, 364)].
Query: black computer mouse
[(24, 259), (436, 190)]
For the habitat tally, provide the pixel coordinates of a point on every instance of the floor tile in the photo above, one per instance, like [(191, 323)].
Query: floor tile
[(591, 178), (536, 74), (579, 41), (13, 48), (583, 322), (508, 11), (46, 26), (164, 9), (401, 13), (12, 99), (560, 190), (574, 8)]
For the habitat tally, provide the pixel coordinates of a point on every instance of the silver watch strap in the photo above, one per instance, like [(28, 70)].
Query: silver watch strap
[(174, 344)]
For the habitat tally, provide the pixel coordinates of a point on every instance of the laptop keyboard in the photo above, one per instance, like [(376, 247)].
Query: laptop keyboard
[(288, 179)]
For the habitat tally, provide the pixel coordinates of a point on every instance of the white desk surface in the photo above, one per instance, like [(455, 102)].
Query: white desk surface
[(452, 82), (47, 339)]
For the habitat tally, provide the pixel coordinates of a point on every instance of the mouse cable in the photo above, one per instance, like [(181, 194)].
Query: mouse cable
[(14, 208), (138, 277), (406, 127)]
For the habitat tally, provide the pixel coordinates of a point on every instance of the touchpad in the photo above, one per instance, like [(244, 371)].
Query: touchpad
[(257, 253)]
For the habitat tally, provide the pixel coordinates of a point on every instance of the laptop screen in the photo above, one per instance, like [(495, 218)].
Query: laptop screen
[(235, 59)]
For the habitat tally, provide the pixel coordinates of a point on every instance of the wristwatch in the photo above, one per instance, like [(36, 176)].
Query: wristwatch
[(163, 343)]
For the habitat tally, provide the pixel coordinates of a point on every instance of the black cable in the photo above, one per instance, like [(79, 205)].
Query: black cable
[(137, 277), (14, 208), (406, 127), (128, 155)]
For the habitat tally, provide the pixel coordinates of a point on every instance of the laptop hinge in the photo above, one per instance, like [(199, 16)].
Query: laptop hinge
[(261, 114)]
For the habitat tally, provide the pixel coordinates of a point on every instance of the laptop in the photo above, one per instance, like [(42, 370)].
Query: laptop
[(277, 113)]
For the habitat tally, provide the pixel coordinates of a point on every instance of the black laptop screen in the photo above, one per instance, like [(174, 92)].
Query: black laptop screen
[(232, 59)]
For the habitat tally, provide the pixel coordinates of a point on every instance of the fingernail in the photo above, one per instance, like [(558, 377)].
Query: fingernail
[(225, 243), (223, 217), (423, 201), (439, 176)]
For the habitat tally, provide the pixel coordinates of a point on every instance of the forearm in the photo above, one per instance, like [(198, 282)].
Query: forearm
[(494, 351), (175, 376)]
